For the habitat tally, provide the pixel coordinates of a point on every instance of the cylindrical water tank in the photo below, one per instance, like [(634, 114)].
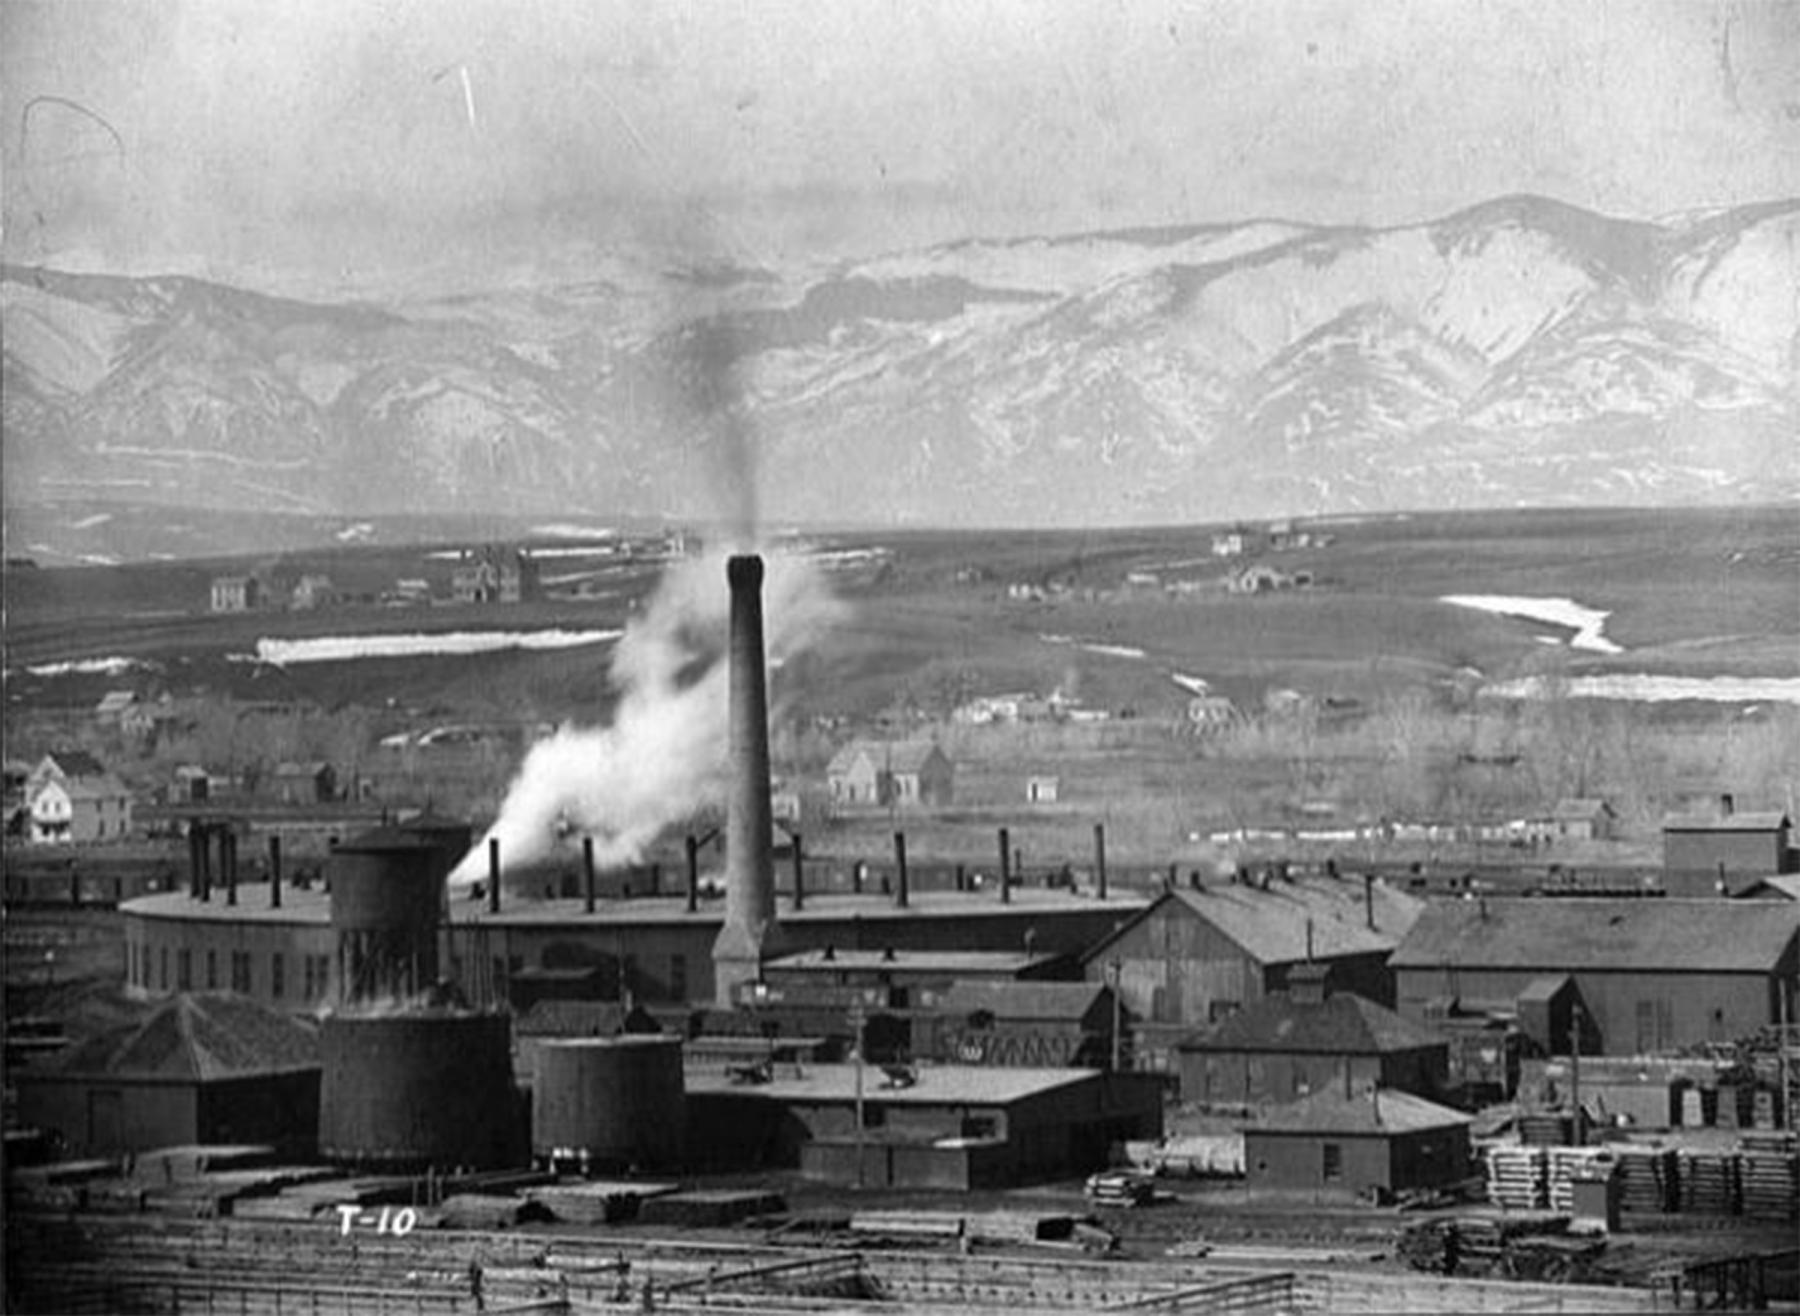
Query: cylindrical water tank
[(452, 838), (415, 1089), (385, 879), (614, 1102)]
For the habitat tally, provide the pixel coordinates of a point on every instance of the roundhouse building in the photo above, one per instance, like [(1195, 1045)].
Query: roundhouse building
[(651, 948)]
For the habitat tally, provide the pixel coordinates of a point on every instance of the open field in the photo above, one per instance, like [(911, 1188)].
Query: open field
[(1393, 720)]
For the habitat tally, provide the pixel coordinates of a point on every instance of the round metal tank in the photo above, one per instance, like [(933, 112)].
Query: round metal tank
[(410, 1090), (610, 1102), (450, 837), (385, 880)]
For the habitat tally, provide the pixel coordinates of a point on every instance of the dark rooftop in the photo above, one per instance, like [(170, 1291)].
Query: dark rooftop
[(1342, 1024), (198, 1037), (1384, 1110)]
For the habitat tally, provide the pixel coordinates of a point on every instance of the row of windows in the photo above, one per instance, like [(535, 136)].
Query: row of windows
[(149, 971)]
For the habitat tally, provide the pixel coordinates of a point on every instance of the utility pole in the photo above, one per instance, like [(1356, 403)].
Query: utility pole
[(856, 1024), (1115, 974)]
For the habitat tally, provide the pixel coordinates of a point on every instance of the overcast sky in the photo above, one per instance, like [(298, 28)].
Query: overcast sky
[(342, 140)]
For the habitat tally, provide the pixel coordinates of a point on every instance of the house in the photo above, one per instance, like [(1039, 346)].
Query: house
[(193, 784), (1583, 820), (305, 783), (494, 574), (236, 594), (1362, 1142), (1202, 951), (1041, 789), (901, 773), (1257, 578), (1703, 851), (71, 797), (208, 1068), (113, 705), (1209, 713), (1309, 1039), (312, 591), (1642, 976)]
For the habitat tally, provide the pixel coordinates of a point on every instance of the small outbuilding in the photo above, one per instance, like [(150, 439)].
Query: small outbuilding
[(1372, 1142), (1583, 820), (199, 1068)]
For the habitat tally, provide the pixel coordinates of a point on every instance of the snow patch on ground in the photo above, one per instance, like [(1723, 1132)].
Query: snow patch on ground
[(1192, 684), (343, 648), (1587, 623), (1642, 687), (92, 667)]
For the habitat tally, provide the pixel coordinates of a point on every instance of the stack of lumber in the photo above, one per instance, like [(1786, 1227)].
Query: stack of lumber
[(1769, 1173), (704, 1208), (1564, 1165), (1430, 1245), (1709, 1183), (1544, 1130), (1516, 1178), (1647, 1179)]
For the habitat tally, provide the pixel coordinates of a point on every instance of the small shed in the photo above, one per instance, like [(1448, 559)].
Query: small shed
[(1583, 820), (1357, 1142), (199, 1068), (305, 783)]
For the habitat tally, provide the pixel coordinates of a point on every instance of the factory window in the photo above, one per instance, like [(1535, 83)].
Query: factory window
[(1332, 1167), (874, 1116), (323, 973), (184, 970), (307, 993), (240, 971), (678, 986), (165, 968), (212, 970), (277, 975)]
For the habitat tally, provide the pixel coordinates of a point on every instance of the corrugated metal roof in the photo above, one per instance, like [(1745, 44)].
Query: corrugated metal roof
[(1342, 1024), (1055, 1001), (198, 1037), (1577, 933), (1384, 1110), (1271, 924)]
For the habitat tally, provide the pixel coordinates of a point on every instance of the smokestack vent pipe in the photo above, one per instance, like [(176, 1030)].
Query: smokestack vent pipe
[(693, 873), (1369, 899), (1100, 858), (1005, 867), (493, 874), (205, 869), (900, 884), (587, 872), (228, 862), (799, 874), (274, 872), (962, 878)]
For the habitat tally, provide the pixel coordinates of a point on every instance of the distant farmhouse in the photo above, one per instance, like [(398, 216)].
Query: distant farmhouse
[(904, 774), (70, 797), (494, 574), (236, 594), (1583, 820), (312, 592)]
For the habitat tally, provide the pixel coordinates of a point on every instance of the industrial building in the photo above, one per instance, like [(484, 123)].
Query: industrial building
[(1362, 1142), (1707, 854), (1304, 1040), (1641, 976), (1201, 952), (196, 1069), (927, 1126)]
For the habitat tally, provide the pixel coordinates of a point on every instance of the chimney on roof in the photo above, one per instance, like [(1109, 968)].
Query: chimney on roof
[(1369, 899), (1727, 805), (1306, 983), (900, 882)]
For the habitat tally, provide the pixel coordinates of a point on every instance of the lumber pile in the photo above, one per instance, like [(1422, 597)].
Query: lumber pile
[(1517, 1178), (598, 1203), (709, 1209), (1710, 1183), (1564, 1165), (1647, 1180), (1769, 1176)]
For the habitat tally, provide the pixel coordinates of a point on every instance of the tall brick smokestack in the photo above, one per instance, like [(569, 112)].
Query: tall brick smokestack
[(749, 934)]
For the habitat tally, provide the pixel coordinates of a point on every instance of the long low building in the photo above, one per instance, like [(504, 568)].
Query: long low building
[(652, 948), (931, 1126), (1646, 975)]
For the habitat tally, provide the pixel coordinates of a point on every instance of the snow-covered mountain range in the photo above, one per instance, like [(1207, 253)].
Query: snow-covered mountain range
[(1519, 352)]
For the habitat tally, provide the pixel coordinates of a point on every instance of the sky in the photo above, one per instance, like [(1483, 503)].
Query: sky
[(344, 142)]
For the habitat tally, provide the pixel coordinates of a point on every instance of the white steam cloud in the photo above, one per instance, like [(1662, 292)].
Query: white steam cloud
[(665, 754)]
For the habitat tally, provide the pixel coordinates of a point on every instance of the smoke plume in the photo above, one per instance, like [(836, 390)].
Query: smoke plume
[(664, 756)]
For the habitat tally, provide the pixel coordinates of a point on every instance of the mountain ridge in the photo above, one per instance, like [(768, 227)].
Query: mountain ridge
[(1518, 351)]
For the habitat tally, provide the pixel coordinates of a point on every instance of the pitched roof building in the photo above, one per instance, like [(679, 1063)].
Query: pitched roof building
[(1334, 1142), (1647, 975)]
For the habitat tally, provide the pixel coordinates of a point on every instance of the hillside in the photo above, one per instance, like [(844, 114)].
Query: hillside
[(1522, 352)]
